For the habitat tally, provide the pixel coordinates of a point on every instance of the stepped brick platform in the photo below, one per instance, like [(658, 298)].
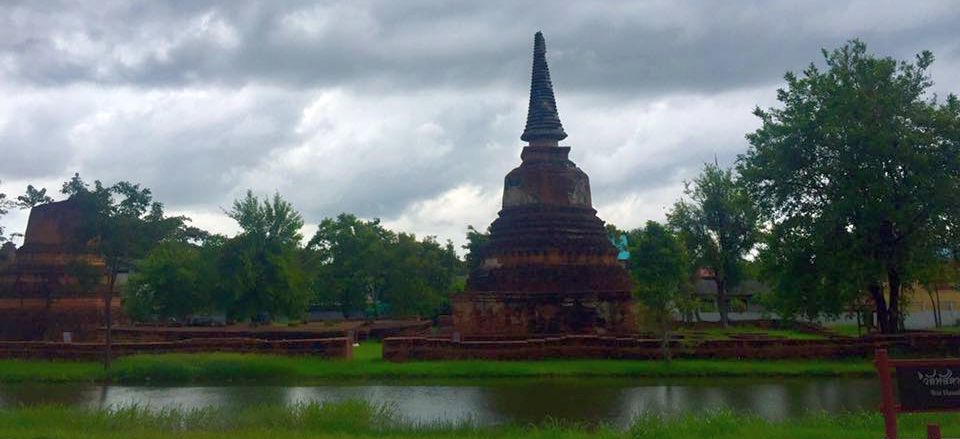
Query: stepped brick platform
[(600, 347), (917, 344), (38, 319), (340, 347), (358, 329)]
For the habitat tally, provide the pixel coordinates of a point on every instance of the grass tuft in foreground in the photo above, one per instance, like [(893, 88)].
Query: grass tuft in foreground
[(352, 419)]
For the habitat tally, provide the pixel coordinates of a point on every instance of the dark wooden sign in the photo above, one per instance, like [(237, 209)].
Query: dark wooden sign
[(928, 388), (927, 385)]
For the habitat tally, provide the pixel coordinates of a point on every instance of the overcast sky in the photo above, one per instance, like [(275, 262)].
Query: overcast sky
[(410, 111)]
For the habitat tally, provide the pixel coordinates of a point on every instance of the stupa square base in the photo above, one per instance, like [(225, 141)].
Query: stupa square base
[(519, 314)]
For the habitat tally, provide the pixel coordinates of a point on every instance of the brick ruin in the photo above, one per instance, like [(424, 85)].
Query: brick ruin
[(39, 298), (549, 267)]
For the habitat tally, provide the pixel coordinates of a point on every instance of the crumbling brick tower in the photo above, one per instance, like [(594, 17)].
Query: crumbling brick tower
[(549, 267)]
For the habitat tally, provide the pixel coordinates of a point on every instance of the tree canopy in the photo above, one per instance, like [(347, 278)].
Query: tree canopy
[(857, 173), (718, 226), (360, 263), (476, 241), (33, 197), (260, 269)]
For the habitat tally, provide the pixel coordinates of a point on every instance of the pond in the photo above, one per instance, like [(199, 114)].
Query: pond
[(613, 401)]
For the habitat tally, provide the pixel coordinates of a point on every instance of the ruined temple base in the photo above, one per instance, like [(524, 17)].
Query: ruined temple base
[(38, 319), (499, 315)]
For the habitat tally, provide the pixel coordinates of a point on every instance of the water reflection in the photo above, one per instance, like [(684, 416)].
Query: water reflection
[(614, 401)]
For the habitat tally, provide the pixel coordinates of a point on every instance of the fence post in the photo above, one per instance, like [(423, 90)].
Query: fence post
[(933, 431), (882, 361)]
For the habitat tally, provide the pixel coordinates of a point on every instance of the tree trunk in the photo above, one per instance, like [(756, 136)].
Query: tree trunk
[(876, 293), (665, 321), (665, 346), (108, 313), (723, 306), (894, 284), (938, 314), (933, 293)]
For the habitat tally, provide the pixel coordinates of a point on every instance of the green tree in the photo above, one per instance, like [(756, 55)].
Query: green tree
[(419, 275), (260, 269), (5, 205), (660, 270), (120, 224), (172, 281), (476, 241), (719, 229), (33, 197), (857, 174), (360, 262), (935, 270), (349, 254)]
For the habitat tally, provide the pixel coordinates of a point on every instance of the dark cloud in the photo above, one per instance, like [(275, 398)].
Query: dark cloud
[(617, 47), (392, 108)]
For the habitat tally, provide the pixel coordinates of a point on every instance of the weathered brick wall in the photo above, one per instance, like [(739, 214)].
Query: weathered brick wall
[(134, 334), (587, 346), (380, 330), (361, 331), (340, 347), (524, 314), (35, 319)]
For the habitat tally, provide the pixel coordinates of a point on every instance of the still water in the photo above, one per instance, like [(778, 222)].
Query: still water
[(614, 401)]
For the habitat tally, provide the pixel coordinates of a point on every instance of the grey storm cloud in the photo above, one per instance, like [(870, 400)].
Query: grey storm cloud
[(388, 108), (604, 46)]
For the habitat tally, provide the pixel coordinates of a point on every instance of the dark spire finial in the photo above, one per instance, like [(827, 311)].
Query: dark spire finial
[(543, 122)]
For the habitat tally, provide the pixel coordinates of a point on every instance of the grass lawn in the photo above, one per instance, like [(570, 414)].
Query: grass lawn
[(352, 419), (847, 330), (367, 364), (851, 330), (725, 333), (949, 329)]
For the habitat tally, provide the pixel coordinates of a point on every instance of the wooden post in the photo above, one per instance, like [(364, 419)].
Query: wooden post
[(889, 409), (933, 431)]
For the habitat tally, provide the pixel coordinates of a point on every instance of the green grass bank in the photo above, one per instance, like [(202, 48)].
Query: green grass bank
[(367, 364), (359, 420)]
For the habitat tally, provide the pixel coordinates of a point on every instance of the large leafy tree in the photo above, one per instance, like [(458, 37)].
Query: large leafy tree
[(260, 269), (857, 172), (120, 223), (661, 271), (174, 280), (718, 225), (419, 275), (360, 261), (348, 256)]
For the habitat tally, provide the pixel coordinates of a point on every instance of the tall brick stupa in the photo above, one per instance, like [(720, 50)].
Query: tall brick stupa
[(549, 267)]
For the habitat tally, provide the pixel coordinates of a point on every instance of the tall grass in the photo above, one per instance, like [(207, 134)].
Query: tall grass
[(352, 419), (366, 364)]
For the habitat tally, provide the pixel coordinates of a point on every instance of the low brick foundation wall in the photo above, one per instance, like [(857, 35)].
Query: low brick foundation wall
[(598, 347), (340, 347), (359, 329)]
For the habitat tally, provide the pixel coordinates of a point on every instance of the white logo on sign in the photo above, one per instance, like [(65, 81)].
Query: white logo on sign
[(938, 377)]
